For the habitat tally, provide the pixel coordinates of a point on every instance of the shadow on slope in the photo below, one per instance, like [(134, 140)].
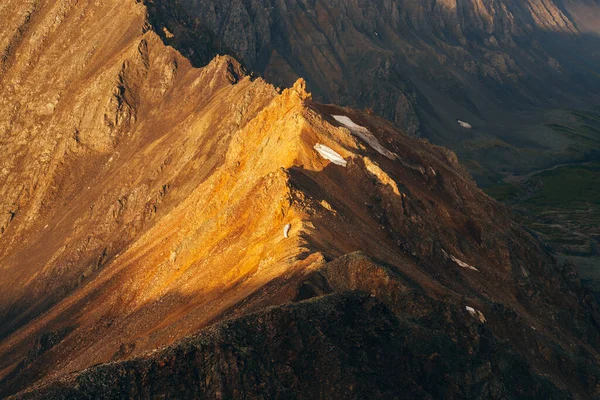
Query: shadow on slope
[(346, 345)]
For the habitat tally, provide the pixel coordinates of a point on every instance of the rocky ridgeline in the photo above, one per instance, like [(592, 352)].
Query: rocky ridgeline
[(148, 202)]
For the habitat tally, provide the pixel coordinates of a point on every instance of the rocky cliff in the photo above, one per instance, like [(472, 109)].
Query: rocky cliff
[(145, 200)]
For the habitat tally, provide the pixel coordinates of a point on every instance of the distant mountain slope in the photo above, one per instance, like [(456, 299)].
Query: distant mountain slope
[(500, 65)]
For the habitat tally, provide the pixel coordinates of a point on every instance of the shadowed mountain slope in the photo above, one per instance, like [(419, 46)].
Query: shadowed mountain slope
[(509, 68), (345, 346)]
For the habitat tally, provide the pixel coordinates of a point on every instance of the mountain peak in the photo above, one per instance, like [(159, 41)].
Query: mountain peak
[(300, 88)]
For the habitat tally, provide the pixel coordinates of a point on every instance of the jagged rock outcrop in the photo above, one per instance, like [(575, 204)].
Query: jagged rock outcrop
[(144, 201)]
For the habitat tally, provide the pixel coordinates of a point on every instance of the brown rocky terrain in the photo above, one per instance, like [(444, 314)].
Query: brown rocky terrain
[(338, 346), (148, 203)]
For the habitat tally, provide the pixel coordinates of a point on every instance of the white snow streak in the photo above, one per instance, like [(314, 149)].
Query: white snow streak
[(286, 230), (365, 135), (460, 262), (329, 154), (464, 124)]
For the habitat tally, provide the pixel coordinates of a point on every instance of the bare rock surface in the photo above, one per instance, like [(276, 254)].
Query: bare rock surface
[(142, 201)]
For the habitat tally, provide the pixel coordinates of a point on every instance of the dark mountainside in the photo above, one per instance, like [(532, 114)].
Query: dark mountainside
[(174, 226), (347, 346), (509, 68)]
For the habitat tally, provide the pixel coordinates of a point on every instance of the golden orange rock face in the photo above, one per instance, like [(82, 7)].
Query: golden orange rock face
[(143, 200)]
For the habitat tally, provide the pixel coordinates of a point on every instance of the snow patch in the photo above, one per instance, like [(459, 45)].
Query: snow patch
[(286, 230), (460, 262), (464, 124), (365, 135), (348, 123), (330, 154), (463, 264)]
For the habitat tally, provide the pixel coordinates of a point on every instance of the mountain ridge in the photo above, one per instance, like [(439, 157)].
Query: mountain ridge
[(149, 200), (422, 65)]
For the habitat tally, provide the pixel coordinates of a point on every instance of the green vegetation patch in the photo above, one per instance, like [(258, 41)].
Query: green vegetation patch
[(569, 187), (562, 205), (586, 125), (505, 191)]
